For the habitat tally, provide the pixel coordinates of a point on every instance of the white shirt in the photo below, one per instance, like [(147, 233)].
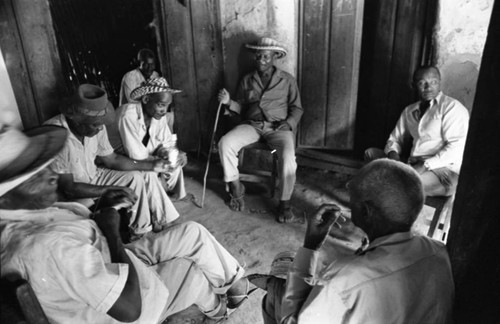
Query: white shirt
[(67, 261), (132, 128), (438, 137), (130, 81), (78, 158), (398, 278)]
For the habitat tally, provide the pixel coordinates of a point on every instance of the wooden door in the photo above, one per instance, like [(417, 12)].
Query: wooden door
[(330, 36), (191, 48)]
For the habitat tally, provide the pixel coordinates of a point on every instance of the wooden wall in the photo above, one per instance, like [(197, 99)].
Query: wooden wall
[(30, 52), (193, 50), (474, 239), (397, 35)]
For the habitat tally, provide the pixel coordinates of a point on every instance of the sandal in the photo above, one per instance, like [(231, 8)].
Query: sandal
[(235, 301), (259, 280), (237, 203)]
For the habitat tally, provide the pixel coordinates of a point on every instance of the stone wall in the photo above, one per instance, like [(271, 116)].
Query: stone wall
[(460, 36)]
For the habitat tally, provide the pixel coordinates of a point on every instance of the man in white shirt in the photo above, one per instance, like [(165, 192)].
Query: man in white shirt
[(437, 125), (78, 266), (89, 157), (144, 72), (146, 131), (397, 277)]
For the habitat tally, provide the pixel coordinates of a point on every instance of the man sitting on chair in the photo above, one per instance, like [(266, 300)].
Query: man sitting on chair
[(398, 277), (146, 131), (438, 126), (76, 262), (268, 101)]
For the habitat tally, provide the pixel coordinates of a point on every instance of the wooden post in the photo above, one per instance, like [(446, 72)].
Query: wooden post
[(474, 239)]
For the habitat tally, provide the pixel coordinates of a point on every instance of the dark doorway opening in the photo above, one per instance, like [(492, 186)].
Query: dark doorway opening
[(98, 40)]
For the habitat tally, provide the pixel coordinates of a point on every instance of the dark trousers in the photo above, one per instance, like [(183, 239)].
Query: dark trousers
[(271, 303)]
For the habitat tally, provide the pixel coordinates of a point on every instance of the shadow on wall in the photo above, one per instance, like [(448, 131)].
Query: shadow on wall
[(459, 81), (239, 60)]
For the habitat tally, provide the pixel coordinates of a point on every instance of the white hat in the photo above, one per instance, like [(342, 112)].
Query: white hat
[(154, 85), (269, 44), (24, 155)]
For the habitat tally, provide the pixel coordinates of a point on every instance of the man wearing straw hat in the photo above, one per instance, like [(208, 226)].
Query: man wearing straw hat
[(89, 157), (147, 132), (395, 277), (143, 73), (75, 261), (268, 102)]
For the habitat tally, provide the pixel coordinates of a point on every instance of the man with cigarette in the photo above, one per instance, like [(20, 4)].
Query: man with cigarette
[(397, 277), (268, 102)]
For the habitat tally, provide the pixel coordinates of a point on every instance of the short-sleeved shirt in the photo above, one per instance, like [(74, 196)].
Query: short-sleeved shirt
[(132, 128), (280, 101), (130, 81), (67, 261), (78, 158)]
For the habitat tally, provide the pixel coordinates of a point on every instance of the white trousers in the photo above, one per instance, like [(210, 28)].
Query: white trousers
[(152, 202), (243, 135), (174, 182), (192, 264)]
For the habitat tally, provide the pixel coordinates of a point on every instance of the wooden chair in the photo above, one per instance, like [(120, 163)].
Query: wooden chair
[(259, 176), (440, 222)]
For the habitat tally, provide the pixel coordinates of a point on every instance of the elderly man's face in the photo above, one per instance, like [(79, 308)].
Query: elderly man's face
[(147, 67), (427, 83), (156, 105), (265, 60), (39, 191), (89, 128)]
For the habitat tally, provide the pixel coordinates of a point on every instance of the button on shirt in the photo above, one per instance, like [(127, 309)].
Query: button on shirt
[(438, 136), (399, 278), (67, 261), (78, 158), (280, 101), (132, 128)]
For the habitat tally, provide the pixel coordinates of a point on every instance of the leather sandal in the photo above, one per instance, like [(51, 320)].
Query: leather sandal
[(237, 203), (235, 301)]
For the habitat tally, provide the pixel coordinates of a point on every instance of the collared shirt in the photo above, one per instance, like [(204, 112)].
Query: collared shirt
[(66, 259), (78, 158), (438, 136), (398, 278), (280, 101), (132, 128), (130, 81)]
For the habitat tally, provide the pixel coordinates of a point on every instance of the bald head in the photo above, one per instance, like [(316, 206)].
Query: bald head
[(391, 191)]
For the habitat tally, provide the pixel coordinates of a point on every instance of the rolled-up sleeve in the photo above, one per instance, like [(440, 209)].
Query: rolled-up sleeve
[(299, 284)]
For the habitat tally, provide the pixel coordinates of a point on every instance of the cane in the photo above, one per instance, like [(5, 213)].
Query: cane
[(209, 154)]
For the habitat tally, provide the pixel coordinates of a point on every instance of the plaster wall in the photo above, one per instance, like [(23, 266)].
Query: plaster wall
[(460, 36), (247, 21), (9, 112)]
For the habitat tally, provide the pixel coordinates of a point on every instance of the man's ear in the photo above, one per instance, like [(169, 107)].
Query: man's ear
[(145, 99)]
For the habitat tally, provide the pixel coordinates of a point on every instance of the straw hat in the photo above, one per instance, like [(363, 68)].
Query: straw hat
[(155, 85), (23, 155), (269, 44), (89, 102)]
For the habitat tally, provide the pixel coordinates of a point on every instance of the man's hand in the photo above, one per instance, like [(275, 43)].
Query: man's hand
[(418, 166), (162, 166), (108, 220), (319, 225), (393, 155), (224, 97), (117, 198), (161, 152), (282, 125), (182, 160)]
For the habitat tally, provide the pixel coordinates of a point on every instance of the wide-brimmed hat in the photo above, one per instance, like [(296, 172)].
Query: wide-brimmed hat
[(269, 44), (89, 103), (25, 154), (154, 85)]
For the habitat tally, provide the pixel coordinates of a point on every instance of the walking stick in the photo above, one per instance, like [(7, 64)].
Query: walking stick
[(209, 154)]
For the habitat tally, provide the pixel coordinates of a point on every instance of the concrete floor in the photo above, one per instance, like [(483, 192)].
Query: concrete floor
[(255, 238)]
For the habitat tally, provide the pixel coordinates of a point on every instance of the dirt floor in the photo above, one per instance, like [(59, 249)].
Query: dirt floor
[(254, 237)]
